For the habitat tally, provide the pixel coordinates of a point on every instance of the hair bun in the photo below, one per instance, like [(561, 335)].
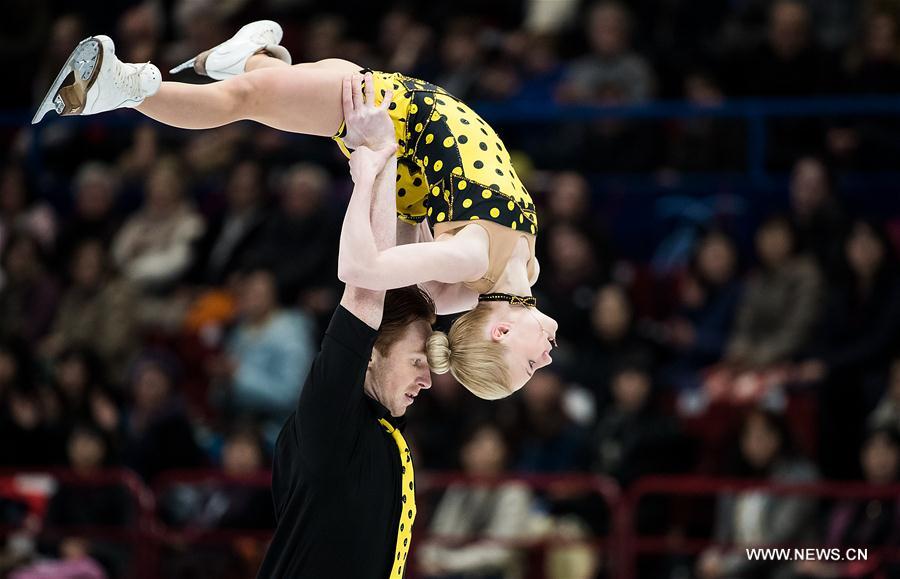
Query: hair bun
[(437, 349)]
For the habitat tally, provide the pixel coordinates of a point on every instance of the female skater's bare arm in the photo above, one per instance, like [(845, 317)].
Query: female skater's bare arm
[(458, 259)]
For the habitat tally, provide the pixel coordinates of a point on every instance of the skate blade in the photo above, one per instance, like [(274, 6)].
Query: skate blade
[(84, 61), (184, 66)]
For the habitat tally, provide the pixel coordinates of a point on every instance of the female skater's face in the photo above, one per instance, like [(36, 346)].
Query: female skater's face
[(529, 336)]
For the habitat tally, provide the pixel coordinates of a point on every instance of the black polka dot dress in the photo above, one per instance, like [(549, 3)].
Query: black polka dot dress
[(451, 166)]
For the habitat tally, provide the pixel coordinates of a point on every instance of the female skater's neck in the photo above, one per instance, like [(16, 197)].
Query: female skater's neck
[(514, 279)]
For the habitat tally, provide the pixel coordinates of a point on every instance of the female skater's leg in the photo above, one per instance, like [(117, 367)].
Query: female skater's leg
[(304, 98)]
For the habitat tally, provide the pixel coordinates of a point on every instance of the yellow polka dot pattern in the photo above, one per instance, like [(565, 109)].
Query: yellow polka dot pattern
[(407, 501), (444, 146)]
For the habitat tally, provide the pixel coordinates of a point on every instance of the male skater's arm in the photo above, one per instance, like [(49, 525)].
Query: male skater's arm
[(333, 397), (372, 202)]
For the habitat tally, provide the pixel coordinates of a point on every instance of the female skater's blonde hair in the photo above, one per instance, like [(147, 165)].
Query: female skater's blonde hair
[(475, 360)]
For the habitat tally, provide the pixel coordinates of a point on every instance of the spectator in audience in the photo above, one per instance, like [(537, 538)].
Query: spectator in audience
[(153, 249), (500, 79), (853, 343), (542, 68), (874, 69), (403, 40), (141, 156), (751, 518), (478, 513), (94, 217), (816, 214), (545, 438), (705, 143), (32, 440), (75, 504), (612, 67), (305, 228), (567, 202), (238, 503), (632, 438), (461, 57), (29, 296), (38, 442), (248, 507), (15, 366), (680, 35), (20, 212), (708, 295), (570, 272), (84, 396), (267, 355), (875, 63), (887, 413), (613, 341), (437, 422), (863, 320), (140, 27), (220, 505), (872, 523), (780, 304), (74, 563), (788, 64), (158, 433), (225, 244), (96, 311), (614, 75)]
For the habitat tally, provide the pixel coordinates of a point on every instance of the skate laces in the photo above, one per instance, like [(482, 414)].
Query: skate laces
[(128, 79)]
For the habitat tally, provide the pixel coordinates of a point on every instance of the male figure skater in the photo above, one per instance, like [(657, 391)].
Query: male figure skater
[(343, 476)]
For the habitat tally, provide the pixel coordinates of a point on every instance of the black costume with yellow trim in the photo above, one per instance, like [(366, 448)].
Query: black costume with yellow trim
[(451, 166)]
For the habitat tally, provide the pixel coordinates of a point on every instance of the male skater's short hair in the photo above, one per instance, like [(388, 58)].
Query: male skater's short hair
[(402, 307)]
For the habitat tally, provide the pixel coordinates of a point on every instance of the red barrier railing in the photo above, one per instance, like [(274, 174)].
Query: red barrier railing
[(632, 544), (558, 484), (251, 543), (144, 502), (623, 544)]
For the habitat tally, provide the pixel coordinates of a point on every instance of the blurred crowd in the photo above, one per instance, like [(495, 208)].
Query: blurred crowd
[(163, 292)]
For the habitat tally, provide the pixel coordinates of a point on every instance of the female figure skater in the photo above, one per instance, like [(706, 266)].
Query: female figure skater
[(452, 171)]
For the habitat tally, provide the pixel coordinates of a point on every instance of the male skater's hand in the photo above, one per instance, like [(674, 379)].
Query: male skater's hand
[(366, 163), (367, 125)]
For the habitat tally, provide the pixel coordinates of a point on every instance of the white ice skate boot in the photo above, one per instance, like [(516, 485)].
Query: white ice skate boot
[(229, 58), (102, 82)]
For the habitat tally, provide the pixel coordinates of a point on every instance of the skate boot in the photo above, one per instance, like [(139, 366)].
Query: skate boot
[(102, 82), (229, 58)]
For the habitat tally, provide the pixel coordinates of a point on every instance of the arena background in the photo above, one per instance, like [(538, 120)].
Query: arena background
[(720, 206)]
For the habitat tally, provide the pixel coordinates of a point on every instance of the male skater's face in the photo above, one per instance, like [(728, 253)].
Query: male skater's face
[(397, 378)]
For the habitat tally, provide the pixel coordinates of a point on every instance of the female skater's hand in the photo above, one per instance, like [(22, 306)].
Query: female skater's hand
[(367, 125), (366, 163)]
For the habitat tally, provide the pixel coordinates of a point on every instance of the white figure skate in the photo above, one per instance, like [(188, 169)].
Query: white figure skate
[(102, 82), (229, 58)]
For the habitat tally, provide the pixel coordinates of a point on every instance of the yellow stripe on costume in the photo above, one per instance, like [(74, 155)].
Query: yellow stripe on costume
[(407, 501)]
